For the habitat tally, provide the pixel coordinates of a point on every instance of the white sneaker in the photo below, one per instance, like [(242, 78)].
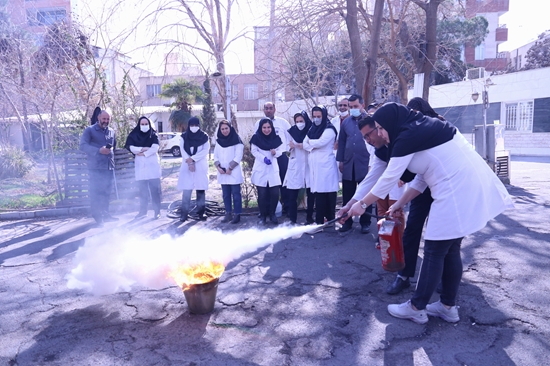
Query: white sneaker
[(438, 309), (406, 311)]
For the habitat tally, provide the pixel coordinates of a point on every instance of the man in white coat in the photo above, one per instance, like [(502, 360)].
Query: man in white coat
[(281, 127)]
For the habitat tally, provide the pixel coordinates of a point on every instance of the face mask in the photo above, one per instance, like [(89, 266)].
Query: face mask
[(144, 128), (194, 129), (343, 114), (317, 121), (301, 125), (355, 112)]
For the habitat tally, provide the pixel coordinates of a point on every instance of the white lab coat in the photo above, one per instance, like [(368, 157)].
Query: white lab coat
[(262, 174), (466, 192), (323, 170), (225, 155), (395, 193), (297, 173), (148, 166), (197, 180)]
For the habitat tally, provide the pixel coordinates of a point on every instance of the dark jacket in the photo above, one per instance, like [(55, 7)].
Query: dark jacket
[(352, 149), (94, 138)]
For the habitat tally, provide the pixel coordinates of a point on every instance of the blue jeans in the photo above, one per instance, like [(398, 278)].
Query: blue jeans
[(419, 210), (232, 190), (442, 261), (186, 202)]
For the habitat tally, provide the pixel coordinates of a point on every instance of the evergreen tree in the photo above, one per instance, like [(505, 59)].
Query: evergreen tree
[(538, 55)]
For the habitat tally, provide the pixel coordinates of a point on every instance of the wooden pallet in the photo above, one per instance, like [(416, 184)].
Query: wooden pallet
[(76, 178)]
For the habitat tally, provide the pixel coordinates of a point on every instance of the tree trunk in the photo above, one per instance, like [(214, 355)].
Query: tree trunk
[(372, 57), (358, 65)]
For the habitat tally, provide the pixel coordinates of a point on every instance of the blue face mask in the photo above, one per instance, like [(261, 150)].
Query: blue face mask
[(355, 112)]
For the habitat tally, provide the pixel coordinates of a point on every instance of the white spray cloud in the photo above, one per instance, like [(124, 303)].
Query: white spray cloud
[(115, 261)]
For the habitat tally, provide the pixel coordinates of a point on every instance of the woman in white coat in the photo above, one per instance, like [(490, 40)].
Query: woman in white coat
[(194, 168), (323, 170), (143, 142), (228, 154), (467, 194), (266, 147), (297, 174)]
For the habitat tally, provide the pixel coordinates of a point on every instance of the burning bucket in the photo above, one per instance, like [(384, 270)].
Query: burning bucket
[(201, 297), (200, 285)]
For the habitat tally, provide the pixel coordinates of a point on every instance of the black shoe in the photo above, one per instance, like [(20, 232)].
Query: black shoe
[(263, 220), (183, 218), (109, 218), (397, 286), (228, 217), (273, 219), (141, 214), (345, 228), (365, 229), (236, 219), (202, 217)]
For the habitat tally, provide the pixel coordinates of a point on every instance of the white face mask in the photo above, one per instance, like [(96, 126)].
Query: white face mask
[(355, 112), (194, 129), (144, 128), (317, 121), (301, 125), (343, 114)]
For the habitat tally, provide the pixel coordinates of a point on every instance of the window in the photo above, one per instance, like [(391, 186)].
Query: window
[(153, 90), (234, 91), (519, 116), (159, 126), (480, 52), (215, 91), (46, 16), (250, 91)]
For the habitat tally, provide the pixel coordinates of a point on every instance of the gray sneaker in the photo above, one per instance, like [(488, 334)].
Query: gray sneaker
[(438, 309), (406, 311)]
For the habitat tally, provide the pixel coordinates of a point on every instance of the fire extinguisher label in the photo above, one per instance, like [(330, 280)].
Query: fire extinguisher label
[(384, 246), (386, 227)]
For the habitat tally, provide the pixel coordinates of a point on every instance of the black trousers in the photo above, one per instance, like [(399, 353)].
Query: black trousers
[(348, 190), (293, 204), (418, 212), (101, 185), (146, 188), (325, 206), (267, 200), (282, 161)]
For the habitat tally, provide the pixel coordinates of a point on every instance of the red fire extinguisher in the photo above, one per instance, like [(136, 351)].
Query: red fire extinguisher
[(390, 244)]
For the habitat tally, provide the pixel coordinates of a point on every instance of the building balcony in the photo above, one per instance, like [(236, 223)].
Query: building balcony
[(501, 34), (474, 7)]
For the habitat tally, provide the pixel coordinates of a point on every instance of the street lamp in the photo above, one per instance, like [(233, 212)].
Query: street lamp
[(485, 101), (227, 108)]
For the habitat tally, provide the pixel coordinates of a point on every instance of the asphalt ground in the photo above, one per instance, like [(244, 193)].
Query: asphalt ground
[(316, 300)]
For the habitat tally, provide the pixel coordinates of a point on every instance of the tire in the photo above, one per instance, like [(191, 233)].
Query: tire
[(176, 151)]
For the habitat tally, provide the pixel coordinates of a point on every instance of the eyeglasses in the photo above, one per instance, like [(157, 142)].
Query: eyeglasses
[(367, 135)]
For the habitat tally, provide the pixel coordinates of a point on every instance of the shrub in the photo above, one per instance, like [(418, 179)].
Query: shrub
[(14, 163)]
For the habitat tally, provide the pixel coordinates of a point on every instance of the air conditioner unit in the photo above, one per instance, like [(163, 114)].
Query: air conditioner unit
[(477, 73)]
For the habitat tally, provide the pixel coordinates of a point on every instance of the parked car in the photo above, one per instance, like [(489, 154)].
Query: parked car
[(170, 142)]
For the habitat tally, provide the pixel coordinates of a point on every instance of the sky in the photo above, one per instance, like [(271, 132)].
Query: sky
[(525, 20)]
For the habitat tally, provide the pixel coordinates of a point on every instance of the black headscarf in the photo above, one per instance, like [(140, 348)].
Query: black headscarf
[(297, 134), (422, 106), (410, 131), (95, 115), (191, 141), (229, 140), (315, 132), (271, 141), (142, 139)]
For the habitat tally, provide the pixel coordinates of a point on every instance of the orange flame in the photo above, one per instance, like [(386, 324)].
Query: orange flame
[(187, 275)]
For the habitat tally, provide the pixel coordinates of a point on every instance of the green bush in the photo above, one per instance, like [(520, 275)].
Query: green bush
[(14, 163)]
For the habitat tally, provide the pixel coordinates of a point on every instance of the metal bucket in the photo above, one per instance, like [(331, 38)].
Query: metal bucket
[(201, 297)]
